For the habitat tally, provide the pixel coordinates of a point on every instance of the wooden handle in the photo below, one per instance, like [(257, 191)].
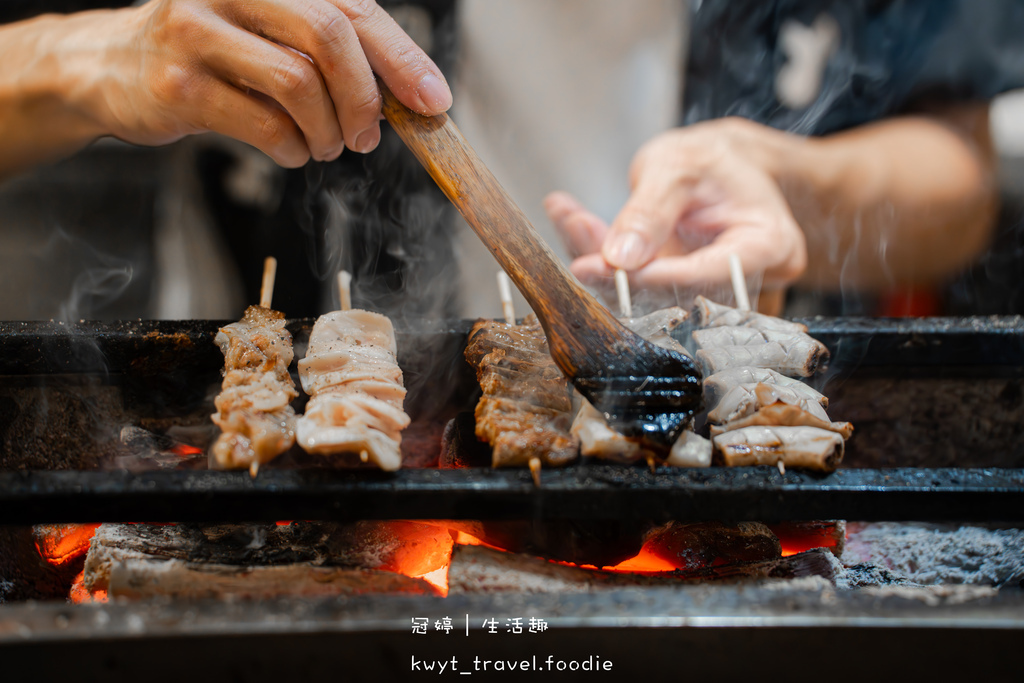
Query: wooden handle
[(581, 332)]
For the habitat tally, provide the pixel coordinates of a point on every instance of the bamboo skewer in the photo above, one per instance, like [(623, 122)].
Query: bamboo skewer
[(535, 470), (345, 289), (739, 283), (622, 288), (269, 274), (505, 292)]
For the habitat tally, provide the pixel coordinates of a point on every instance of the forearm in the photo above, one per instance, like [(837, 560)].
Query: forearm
[(905, 201), (47, 86)]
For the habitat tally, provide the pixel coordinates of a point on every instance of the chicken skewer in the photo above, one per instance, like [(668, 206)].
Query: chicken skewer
[(351, 373), (254, 407)]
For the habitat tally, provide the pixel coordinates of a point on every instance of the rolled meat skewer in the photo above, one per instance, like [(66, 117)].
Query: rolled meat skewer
[(806, 447), (707, 313), (253, 407), (758, 415), (352, 374), (797, 357), (784, 414), (746, 399), (718, 385)]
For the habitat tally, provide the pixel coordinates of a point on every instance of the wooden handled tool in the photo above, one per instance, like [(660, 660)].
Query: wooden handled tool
[(643, 389)]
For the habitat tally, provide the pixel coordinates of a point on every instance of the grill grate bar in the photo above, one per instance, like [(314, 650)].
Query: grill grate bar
[(586, 492)]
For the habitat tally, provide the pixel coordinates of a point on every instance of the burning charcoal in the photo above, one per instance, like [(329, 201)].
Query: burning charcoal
[(694, 546), (475, 569), (38, 563), (601, 543), (321, 558), (146, 450), (800, 536)]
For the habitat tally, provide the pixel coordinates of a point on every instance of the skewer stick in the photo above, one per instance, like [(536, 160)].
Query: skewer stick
[(505, 292), (652, 462), (269, 273), (739, 283), (345, 289), (535, 470), (622, 288)]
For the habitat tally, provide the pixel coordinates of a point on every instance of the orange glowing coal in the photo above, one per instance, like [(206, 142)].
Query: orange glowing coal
[(80, 594), (59, 544), (424, 551), (184, 450), (797, 538)]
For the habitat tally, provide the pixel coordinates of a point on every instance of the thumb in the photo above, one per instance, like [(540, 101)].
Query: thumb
[(660, 196)]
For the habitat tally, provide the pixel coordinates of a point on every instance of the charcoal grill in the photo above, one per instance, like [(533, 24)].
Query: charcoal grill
[(938, 406)]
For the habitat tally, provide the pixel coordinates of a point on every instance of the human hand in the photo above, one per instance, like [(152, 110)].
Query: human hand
[(698, 194), (294, 78)]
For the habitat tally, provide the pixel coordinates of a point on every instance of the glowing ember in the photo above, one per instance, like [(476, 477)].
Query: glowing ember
[(438, 579), (184, 450), (59, 544), (80, 594), (645, 561), (797, 538), (462, 538)]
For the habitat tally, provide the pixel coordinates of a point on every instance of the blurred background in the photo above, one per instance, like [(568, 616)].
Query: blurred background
[(119, 231)]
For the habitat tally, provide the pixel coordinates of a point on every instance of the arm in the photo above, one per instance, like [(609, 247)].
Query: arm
[(295, 79), (907, 200)]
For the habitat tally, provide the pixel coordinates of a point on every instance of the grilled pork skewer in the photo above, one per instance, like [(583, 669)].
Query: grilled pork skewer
[(351, 373), (526, 406), (253, 408)]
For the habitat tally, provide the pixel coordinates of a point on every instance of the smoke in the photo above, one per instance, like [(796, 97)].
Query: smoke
[(380, 217), (101, 279)]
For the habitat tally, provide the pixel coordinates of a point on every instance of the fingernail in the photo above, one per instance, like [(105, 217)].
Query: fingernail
[(434, 94), (627, 251), (368, 140)]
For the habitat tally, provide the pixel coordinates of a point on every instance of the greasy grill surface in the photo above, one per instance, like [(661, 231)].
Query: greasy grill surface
[(585, 492)]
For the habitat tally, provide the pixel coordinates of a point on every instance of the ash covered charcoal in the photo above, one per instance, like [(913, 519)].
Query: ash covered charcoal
[(352, 374), (526, 407), (254, 406), (264, 560), (938, 554)]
